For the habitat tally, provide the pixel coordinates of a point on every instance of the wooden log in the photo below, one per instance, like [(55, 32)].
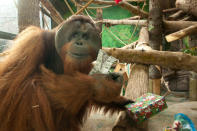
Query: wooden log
[(8, 36), (155, 40), (174, 60), (173, 26), (186, 18), (189, 6), (55, 15), (123, 22), (182, 33), (155, 24), (176, 15), (170, 10)]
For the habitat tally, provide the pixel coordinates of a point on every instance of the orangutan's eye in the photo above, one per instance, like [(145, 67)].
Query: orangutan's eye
[(85, 36), (75, 35)]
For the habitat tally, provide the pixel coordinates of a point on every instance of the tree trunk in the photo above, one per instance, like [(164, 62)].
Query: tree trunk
[(138, 85), (155, 33), (28, 13), (155, 24), (138, 81)]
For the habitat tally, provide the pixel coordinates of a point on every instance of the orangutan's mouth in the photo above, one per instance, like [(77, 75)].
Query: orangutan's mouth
[(78, 55)]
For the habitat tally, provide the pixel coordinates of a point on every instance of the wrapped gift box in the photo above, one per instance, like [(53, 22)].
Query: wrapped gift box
[(146, 106)]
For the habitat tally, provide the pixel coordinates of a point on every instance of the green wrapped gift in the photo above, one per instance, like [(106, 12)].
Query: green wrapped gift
[(146, 106)]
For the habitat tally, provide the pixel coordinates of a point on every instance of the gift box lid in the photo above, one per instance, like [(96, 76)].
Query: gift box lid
[(145, 101)]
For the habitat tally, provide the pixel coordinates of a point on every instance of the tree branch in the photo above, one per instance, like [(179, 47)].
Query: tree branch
[(55, 15), (134, 9), (182, 33), (173, 26), (176, 15), (85, 6), (170, 10), (125, 5), (123, 22), (174, 60), (187, 18)]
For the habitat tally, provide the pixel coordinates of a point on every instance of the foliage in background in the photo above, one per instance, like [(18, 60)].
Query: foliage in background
[(188, 49), (114, 36), (120, 32)]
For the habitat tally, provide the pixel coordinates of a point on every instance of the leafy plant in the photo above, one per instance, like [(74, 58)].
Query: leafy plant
[(188, 49)]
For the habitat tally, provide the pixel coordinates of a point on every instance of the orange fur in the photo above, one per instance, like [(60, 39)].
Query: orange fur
[(34, 98)]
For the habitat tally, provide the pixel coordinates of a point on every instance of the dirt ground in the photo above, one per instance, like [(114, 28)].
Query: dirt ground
[(177, 103)]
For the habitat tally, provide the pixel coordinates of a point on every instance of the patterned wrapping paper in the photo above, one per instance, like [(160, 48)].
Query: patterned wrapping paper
[(103, 63), (146, 106)]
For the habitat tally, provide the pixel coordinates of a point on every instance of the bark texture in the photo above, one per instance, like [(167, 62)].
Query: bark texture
[(28, 13), (137, 85), (174, 60), (182, 33)]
